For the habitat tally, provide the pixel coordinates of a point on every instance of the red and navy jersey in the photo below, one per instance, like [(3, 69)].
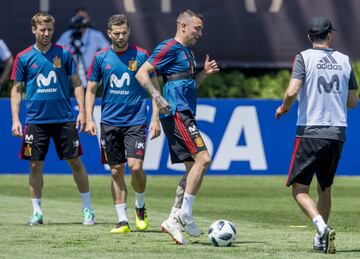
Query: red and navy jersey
[(171, 57), (46, 79), (123, 98)]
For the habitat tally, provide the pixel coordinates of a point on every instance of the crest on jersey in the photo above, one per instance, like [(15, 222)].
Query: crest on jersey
[(57, 62), (199, 142), (132, 65)]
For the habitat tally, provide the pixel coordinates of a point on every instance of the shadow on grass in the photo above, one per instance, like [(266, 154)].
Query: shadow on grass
[(348, 251), (234, 244)]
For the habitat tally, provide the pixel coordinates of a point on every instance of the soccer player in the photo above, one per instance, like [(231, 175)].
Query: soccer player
[(174, 59), (48, 72), (323, 81), (123, 118)]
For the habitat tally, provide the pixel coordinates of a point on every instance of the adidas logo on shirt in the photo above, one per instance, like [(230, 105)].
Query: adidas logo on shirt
[(328, 62)]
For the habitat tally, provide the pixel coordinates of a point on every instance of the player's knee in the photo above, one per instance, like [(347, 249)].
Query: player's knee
[(36, 167), (117, 170), (76, 164), (135, 167), (136, 170), (205, 159)]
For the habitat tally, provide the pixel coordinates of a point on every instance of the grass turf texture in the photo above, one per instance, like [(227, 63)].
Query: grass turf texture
[(269, 223)]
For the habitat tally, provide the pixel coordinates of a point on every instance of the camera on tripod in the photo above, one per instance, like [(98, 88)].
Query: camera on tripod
[(78, 24)]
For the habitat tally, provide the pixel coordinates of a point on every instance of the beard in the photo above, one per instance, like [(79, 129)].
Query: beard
[(120, 45)]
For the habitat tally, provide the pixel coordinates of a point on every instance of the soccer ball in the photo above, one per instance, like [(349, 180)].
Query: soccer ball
[(222, 233)]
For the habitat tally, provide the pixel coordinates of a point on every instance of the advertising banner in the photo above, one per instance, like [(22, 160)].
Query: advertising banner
[(242, 136)]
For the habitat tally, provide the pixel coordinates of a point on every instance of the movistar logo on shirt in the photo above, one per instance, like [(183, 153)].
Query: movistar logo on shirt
[(115, 82), (328, 62), (43, 81), (329, 86)]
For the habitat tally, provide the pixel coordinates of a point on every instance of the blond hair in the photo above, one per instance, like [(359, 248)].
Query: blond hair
[(41, 17)]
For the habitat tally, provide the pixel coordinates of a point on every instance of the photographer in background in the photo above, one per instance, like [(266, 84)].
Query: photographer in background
[(6, 61), (83, 40)]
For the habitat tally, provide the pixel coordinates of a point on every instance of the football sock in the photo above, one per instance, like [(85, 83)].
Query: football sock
[(320, 224), (86, 200), (188, 203), (139, 200), (121, 211), (36, 205)]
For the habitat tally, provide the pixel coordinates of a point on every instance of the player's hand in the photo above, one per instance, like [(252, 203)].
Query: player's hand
[(16, 129), (91, 128), (80, 122), (280, 111), (210, 66), (154, 129), (163, 105)]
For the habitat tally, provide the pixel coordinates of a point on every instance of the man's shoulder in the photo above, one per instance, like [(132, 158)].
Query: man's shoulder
[(102, 52), (25, 52), (138, 49)]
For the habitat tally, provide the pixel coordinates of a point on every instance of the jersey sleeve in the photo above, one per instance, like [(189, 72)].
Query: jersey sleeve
[(94, 73), (142, 58), (298, 69), (18, 70), (70, 64), (164, 54), (352, 81)]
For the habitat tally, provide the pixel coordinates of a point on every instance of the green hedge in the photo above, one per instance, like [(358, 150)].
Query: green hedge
[(234, 84)]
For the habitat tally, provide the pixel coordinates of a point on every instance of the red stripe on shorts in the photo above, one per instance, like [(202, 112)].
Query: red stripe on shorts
[(296, 146), (184, 134), (21, 155)]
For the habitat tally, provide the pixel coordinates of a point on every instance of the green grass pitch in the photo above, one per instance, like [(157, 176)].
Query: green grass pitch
[(269, 223)]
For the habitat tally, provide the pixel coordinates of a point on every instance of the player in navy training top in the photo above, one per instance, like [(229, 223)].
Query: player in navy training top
[(323, 82), (45, 69), (175, 61), (123, 117)]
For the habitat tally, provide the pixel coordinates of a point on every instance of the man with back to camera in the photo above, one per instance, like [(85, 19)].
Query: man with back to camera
[(48, 72), (174, 59), (123, 118), (323, 81), (83, 40)]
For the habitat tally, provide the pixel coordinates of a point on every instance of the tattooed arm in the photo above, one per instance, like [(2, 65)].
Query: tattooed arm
[(143, 77)]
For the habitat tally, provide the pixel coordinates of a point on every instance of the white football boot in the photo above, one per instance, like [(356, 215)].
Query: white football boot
[(171, 226), (188, 223)]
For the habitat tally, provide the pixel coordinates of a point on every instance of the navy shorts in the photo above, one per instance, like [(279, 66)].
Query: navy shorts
[(118, 143), (314, 156), (183, 136), (36, 141)]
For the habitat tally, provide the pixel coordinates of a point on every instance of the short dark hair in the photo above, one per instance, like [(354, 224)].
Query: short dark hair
[(188, 12), (118, 19), (81, 9), (318, 38)]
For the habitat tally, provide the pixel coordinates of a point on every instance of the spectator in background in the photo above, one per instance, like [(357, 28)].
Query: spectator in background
[(7, 59), (324, 83), (83, 40)]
